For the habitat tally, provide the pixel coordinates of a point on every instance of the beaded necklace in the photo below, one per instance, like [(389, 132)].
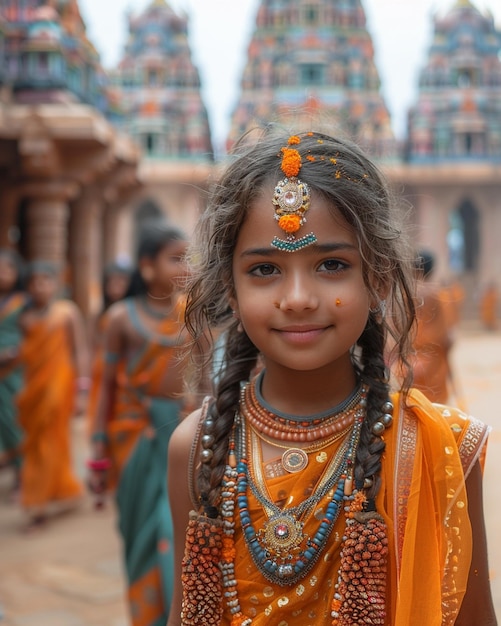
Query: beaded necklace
[(281, 551), (294, 428), (313, 447), (365, 535)]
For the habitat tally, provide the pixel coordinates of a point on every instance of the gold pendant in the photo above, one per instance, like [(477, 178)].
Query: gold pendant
[(282, 535), (294, 460)]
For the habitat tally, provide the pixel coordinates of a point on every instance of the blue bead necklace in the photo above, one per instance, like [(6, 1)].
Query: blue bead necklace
[(281, 550)]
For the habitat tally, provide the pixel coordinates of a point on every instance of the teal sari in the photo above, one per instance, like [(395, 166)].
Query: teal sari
[(11, 380), (144, 516)]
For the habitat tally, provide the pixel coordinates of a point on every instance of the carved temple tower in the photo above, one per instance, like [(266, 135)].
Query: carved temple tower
[(314, 60), (162, 110), (452, 171)]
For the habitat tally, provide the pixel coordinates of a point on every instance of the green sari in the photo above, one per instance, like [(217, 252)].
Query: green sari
[(11, 379)]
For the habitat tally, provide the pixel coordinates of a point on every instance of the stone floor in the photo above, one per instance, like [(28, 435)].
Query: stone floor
[(70, 573)]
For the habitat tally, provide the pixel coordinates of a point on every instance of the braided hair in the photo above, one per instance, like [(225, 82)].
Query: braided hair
[(339, 171)]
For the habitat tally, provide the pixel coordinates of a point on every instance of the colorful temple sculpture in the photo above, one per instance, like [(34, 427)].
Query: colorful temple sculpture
[(162, 110), (314, 60), (452, 156), (65, 170), (457, 115)]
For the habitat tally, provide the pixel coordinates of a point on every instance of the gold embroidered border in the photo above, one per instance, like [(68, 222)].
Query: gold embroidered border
[(406, 450), (471, 443)]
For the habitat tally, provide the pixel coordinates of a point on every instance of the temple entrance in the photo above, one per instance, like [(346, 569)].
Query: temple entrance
[(463, 238)]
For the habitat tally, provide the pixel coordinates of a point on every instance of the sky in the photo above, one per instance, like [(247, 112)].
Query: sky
[(220, 30)]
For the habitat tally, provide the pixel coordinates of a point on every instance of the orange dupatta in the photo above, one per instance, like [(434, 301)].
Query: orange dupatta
[(429, 453)]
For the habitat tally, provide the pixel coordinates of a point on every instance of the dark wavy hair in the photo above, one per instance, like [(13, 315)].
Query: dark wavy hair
[(362, 196)]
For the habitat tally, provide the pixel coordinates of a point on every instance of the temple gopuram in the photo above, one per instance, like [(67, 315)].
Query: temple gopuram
[(162, 110), (451, 168), (314, 59), (65, 170)]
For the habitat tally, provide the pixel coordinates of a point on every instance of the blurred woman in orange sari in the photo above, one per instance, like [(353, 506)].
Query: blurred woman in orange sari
[(55, 361)]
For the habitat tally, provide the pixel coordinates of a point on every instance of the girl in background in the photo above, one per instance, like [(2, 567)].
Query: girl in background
[(140, 403), (12, 300), (318, 494)]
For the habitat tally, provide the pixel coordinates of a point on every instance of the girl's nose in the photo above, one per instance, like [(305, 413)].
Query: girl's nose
[(298, 294)]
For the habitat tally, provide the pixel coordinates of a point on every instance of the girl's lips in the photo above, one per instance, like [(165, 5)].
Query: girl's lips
[(298, 334)]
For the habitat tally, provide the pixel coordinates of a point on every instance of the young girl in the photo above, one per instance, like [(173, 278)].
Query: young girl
[(317, 495), (54, 357), (12, 301), (140, 403)]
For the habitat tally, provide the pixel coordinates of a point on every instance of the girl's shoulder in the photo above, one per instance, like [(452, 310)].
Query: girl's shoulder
[(188, 431), (184, 444), (117, 313)]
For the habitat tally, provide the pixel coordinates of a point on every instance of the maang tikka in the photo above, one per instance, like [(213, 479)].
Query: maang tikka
[(292, 201)]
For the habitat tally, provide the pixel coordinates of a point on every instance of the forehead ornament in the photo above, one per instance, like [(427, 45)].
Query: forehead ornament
[(291, 200)]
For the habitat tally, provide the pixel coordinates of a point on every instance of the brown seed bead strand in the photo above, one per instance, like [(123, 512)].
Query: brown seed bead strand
[(360, 592), (201, 577), (273, 426)]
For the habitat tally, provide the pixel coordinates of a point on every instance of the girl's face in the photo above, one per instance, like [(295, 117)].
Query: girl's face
[(116, 286), (42, 288), (303, 310), (168, 270), (8, 274)]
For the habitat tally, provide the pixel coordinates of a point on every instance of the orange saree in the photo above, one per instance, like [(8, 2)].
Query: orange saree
[(423, 501), (45, 408)]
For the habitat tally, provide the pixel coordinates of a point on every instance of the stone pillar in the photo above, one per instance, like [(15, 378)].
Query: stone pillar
[(85, 253), (47, 215), (9, 202)]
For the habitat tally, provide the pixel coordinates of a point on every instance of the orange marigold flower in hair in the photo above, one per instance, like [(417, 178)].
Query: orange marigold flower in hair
[(293, 140), (311, 158), (290, 223), (291, 162)]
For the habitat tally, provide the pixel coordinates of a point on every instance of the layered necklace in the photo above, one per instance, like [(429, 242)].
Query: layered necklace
[(317, 431), (282, 551)]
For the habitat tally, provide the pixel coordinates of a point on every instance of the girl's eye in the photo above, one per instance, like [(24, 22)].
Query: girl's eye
[(265, 269), (332, 265)]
